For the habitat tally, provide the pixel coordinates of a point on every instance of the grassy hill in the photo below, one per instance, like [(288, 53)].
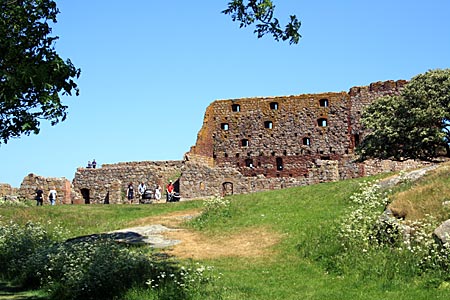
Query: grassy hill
[(284, 244)]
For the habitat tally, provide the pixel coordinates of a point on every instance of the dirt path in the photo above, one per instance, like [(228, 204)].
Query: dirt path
[(252, 242)]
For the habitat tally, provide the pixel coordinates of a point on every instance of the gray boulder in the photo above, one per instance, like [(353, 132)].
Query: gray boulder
[(442, 233)]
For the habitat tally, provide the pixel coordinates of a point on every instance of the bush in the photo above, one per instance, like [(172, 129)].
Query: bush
[(388, 248), (90, 268), (17, 244)]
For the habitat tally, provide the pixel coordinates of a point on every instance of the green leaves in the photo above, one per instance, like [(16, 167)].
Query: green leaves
[(413, 124), (262, 11), (32, 75)]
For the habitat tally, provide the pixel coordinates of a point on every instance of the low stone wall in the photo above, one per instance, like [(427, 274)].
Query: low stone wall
[(7, 190), (32, 182), (194, 178), (200, 180), (108, 184), (376, 166)]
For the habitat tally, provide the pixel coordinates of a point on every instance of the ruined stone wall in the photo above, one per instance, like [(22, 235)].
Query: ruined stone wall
[(109, 183), (32, 182), (7, 190), (256, 144), (377, 166), (202, 181), (276, 136), (273, 142), (204, 137), (279, 136), (362, 96)]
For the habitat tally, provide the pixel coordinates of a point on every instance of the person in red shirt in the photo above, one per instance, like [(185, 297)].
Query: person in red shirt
[(169, 191)]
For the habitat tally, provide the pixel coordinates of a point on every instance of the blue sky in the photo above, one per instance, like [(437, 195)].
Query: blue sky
[(149, 69)]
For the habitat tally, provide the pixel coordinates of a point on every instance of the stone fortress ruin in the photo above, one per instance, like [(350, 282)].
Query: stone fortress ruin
[(249, 145)]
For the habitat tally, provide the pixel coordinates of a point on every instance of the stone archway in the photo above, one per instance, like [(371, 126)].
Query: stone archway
[(227, 188), (85, 193)]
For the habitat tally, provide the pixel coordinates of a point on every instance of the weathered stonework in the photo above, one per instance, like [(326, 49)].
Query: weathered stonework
[(275, 142), (109, 183), (253, 144), (7, 190), (31, 182)]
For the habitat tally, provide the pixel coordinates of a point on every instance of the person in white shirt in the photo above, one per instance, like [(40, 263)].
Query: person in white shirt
[(52, 196), (158, 192), (141, 189)]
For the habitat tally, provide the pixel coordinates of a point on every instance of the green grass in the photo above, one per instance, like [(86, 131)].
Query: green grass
[(305, 264), (89, 219)]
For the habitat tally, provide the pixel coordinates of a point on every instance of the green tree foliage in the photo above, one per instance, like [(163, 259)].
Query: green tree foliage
[(261, 12), (32, 74), (414, 124)]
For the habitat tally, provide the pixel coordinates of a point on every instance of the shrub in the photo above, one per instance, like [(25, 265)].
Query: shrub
[(213, 209), (18, 243), (12, 202), (90, 268), (191, 281), (396, 248)]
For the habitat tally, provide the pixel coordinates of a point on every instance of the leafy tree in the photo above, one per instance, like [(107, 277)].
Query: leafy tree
[(261, 11), (32, 74), (414, 124)]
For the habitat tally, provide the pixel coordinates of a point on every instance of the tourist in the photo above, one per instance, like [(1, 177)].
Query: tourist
[(94, 164), (39, 197), (158, 192), (141, 189), (169, 191), (89, 165), (130, 192), (52, 196)]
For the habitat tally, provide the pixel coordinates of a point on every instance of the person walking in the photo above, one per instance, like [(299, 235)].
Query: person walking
[(39, 197), (52, 196)]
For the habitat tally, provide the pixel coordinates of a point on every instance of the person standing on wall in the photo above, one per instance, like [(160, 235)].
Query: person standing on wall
[(52, 196), (39, 197), (94, 164), (130, 192)]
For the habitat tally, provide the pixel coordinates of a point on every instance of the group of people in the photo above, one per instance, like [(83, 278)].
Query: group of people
[(141, 190), (92, 164), (51, 196), (130, 194)]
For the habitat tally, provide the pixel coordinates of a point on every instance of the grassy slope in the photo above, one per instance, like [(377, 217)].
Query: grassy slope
[(425, 197), (295, 269), (305, 217)]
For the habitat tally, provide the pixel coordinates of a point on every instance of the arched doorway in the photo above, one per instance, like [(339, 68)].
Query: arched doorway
[(227, 189), (85, 194)]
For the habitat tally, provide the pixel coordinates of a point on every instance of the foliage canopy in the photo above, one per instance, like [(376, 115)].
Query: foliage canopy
[(261, 11), (32, 74), (414, 124)]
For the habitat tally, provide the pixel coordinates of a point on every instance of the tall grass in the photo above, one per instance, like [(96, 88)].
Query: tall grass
[(425, 197)]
